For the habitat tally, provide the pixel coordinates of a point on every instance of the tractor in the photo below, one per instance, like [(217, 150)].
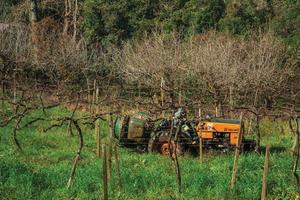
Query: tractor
[(140, 131)]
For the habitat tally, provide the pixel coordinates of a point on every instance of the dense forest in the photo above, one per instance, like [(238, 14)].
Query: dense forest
[(114, 22)]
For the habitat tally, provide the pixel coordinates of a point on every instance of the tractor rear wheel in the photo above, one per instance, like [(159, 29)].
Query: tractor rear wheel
[(159, 143)]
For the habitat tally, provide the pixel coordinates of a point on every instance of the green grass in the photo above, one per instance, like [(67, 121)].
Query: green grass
[(42, 170)]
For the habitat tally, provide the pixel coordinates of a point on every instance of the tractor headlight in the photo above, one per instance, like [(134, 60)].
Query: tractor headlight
[(210, 126)]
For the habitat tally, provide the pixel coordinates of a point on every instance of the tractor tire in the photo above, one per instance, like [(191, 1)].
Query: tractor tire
[(158, 143)]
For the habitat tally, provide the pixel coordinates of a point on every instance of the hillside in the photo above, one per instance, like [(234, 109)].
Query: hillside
[(74, 74)]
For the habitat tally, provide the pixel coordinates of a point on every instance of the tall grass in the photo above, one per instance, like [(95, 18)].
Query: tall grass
[(42, 170)]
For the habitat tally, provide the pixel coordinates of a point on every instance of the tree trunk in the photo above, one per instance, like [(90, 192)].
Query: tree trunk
[(66, 17), (75, 20), (34, 35), (77, 158), (34, 11)]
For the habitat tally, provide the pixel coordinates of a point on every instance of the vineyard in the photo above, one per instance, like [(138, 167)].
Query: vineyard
[(38, 145), (42, 170)]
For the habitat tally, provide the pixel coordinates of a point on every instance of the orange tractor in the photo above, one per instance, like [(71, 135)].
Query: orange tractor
[(140, 131)]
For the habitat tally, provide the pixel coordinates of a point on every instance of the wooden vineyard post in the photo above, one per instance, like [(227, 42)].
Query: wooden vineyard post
[(139, 89), (170, 137), (257, 132), (237, 153), (97, 134), (200, 138), (295, 129), (3, 94), (88, 94), (98, 127), (104, 173), (201, 148), (250, 128), (176, 162), (118, 165), (110, 145), (296, 153), (230, 102), (250, 124), (162, 95), (216, 104), (94, 98), (265, 174), (200, 114), (15, 93)]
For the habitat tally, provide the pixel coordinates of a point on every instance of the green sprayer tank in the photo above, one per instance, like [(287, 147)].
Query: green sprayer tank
[(134, 129)]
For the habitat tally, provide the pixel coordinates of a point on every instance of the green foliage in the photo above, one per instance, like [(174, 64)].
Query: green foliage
[(112, 22), (194, 17), (115, 21), (6, 7), (286, 24), (244, 17)]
